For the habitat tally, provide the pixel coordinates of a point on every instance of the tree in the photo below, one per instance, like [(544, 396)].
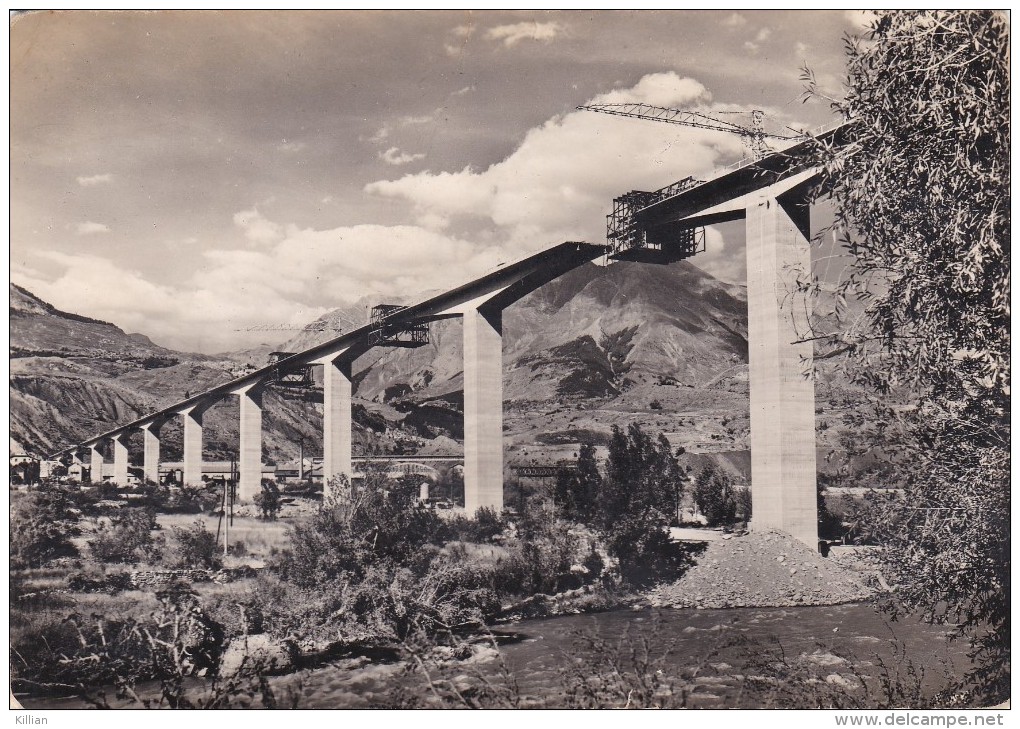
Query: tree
[(920, 188), (634, 505), (577, 490), (268, 500), (714, 496)]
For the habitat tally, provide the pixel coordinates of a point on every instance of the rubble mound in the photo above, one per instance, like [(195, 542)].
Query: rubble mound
[(761, 569)]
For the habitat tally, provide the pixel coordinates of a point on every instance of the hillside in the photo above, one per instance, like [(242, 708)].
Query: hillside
[(662, 346)]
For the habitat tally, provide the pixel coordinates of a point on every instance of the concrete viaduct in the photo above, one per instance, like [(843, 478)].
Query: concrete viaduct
[(771, 195)]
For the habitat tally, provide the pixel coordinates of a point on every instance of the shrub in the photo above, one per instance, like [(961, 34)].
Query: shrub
[(127, 537), (483, 528), (645, 551), (268, 500), (714, 496), (42, 525), (743, 499), (354, 528), (193, 548)]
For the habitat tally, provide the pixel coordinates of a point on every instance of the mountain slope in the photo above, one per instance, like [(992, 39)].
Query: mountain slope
[(596, 347)]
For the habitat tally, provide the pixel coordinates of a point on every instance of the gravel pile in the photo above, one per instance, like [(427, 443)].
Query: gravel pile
[(761, 569)]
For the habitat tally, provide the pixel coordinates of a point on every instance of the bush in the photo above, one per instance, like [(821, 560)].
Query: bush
[(743, 499), (182, 500), (645, 552), (42, 525), (127, 537), (355, 528), (483, 528), (714, 496), (193, 548), (268, 500)]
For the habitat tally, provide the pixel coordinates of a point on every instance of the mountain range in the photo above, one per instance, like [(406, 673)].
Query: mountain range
[(662, 346)]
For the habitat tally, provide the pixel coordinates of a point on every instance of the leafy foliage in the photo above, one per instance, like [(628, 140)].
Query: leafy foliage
[(268, 500), (356, 527), (922, 203), (193, 548), (42, 525), (127, 537), (577, 490), (715, 496), (632, 505)]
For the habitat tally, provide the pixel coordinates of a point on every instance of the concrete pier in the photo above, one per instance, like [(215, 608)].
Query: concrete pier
[(150, 457), (336, 421), (783, 475), (249, 461), (193, 444), (95, 463), (483, 409), (120, 459)]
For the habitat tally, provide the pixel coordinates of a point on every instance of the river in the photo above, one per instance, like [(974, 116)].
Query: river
[(718, 644), (712, 653)]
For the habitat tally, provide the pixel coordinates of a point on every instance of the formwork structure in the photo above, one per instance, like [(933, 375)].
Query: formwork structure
[(299, 375), (629, 239), (402, 334)]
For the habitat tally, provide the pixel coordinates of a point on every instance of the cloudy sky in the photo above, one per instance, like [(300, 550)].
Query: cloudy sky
[(191, 174)]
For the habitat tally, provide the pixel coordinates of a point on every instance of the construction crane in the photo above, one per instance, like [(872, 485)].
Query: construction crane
[(754, 135), (631, 240), (313, 327)]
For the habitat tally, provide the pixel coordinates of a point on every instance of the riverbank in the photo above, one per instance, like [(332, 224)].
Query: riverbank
[(760, 569)]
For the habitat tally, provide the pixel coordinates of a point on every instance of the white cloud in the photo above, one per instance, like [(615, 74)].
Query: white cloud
[(407, 121), (393, 156), (513, 34), (256, 227), (860, 19), (453, 51), (559, 183), (465, 90), (304, 274), (387, 129), (286, 146), (95, 180), (90, 228), (658, 89), (763, 35), (463, 31), (735, 20)]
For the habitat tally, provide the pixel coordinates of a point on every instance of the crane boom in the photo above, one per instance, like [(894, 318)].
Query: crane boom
[(680, 116)]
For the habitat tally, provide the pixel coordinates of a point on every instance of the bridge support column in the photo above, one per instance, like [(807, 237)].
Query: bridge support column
[(120, 459), (336, 422), (95, 463), (193, 444), (483, 409), (150, 458), (249, 461), (783, 471)]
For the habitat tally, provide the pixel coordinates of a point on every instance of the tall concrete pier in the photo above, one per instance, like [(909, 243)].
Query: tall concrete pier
[(483, 409), (782, 388), (336, 420), (249, 461)]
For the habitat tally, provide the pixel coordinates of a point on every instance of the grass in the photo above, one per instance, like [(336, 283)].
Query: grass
[(261, 539)]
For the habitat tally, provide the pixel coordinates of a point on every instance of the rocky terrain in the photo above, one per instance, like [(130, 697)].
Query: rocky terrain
[(761, 569)]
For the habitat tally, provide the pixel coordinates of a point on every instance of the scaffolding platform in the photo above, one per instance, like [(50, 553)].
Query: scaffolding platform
[(382, 334), (298, 375), (630, 240)]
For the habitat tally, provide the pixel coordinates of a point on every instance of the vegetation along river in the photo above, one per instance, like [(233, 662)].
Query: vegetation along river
[(831, 648)]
